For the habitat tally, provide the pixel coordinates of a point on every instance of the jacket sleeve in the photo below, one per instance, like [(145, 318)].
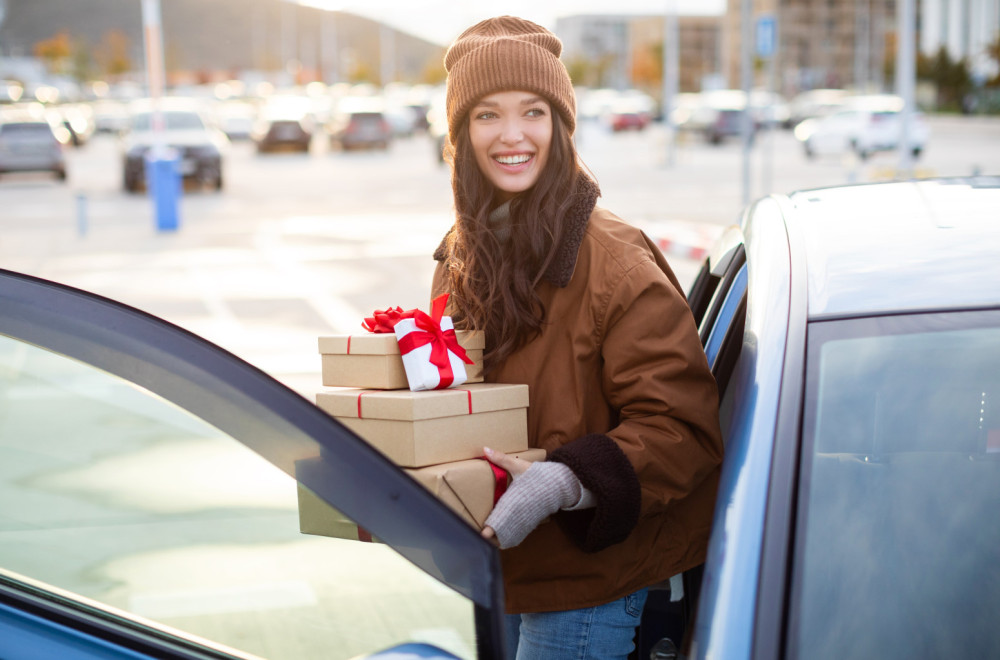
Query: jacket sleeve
[(656, 377)]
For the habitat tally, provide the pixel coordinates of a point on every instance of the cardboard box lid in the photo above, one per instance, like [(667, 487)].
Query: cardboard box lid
[(412, 406), (371, 343)]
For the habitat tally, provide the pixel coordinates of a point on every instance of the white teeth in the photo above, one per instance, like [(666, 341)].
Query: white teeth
[(513, 160)]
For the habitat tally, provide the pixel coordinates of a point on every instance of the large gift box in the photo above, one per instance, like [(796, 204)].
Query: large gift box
[(373, 360), (469, 487), (416, 429)]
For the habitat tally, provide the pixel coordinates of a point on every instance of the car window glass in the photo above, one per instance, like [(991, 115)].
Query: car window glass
[(901, 488), (115, 495)]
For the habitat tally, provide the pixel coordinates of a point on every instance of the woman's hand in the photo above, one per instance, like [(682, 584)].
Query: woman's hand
[(515, 467), (537, 491)]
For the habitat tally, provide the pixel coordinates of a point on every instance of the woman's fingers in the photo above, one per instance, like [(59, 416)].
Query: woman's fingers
[(515, 466)]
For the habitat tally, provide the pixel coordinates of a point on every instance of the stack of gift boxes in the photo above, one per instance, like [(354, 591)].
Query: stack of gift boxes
[(411, 386)]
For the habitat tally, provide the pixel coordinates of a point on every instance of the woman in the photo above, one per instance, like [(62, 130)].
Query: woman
[(584, 309)]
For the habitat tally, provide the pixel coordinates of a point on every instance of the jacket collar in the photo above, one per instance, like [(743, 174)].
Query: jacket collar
[(560, 271)]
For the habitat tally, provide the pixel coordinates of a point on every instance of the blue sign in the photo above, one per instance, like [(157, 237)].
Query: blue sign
[(767, 32)]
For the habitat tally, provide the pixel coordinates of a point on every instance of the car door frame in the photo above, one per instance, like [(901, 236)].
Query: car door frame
[(271, 419)]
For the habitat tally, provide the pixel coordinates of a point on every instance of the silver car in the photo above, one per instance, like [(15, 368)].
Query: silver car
[(30, 145)]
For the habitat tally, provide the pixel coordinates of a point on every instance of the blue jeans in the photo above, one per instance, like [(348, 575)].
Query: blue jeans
[(604, 632)]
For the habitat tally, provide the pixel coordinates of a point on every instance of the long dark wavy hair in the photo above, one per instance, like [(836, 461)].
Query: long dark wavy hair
[(493, 282)]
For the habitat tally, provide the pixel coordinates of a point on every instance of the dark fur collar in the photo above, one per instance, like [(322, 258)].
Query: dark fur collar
[(560, 271)]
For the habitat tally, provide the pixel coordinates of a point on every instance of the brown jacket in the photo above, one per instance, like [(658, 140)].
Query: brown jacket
[(620, 391)]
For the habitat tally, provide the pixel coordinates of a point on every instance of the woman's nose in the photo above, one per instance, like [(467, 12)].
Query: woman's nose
[(512, 133)]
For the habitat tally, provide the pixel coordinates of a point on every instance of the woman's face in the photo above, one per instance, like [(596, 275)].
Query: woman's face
[(511, 133)]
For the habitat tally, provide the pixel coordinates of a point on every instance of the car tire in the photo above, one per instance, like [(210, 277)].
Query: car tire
[(61, 174), (917, 151)]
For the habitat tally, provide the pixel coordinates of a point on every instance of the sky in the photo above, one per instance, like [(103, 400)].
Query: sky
[(441, 21)]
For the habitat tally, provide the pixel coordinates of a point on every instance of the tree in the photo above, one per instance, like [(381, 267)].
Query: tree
[(113, 53), (950, 77), (993, 50), (54, 51), (647, 67)]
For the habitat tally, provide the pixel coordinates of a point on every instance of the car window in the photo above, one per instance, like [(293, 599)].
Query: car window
[(704, 286), (725, 339), (26, 131), (118, 496), (896, 546), (730, 269)]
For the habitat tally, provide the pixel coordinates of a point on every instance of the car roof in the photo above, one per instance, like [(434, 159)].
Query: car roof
[(897, 247)]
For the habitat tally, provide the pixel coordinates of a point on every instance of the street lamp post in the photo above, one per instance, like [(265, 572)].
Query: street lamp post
[(906, 79), (671, 51)]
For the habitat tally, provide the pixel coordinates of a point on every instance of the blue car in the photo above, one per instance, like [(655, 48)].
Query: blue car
[(148, 478)]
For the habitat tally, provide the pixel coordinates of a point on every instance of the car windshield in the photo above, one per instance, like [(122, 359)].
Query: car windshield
[(896, 548), (173, 120)]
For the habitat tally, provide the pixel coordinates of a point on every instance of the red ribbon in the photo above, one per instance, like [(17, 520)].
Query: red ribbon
[(500, 479), (385, 320), (442, 341)]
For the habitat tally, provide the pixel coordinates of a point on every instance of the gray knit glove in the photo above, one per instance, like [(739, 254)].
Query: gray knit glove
[(543, 489)]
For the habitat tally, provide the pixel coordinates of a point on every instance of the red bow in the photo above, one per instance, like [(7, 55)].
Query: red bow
[(383, 321), (441, 341)]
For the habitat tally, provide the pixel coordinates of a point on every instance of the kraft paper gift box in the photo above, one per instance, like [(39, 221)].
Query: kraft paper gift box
[(416, 429), (373, 360), (467, 487)]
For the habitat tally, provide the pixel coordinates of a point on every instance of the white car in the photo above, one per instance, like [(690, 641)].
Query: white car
[(863, 131)]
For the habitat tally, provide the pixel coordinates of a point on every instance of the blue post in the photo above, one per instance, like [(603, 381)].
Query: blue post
[(163, 180)]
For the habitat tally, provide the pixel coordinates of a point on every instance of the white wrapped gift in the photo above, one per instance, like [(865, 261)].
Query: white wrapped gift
[(431, 355)]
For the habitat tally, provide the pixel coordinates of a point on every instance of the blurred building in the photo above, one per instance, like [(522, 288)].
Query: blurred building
[(820, 43), (965, 29), (221, 39), (619, 52), (852, 43)]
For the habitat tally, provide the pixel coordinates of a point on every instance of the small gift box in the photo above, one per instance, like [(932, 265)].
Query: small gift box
[(470, 488), (373, 360), (432, 356), (415, 429)]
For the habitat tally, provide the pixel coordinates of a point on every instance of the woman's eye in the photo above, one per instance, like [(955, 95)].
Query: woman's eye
[(536, 112), (486, 115)]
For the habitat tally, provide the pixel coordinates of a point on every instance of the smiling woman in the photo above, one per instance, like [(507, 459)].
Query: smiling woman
[(584, 309)]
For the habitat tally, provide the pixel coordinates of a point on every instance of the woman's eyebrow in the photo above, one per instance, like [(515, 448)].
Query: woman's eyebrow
[(532, 100)]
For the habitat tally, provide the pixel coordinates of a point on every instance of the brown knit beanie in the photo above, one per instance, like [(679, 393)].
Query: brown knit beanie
[(504, 54)]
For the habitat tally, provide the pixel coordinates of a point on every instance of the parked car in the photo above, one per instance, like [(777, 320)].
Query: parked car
[(855, 336), (236, 119), (854, 333), (360, 123), (815, 103), (627, 116), (198, 145), (722, 114), (285, 124), (865, 125), (30, 144)]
